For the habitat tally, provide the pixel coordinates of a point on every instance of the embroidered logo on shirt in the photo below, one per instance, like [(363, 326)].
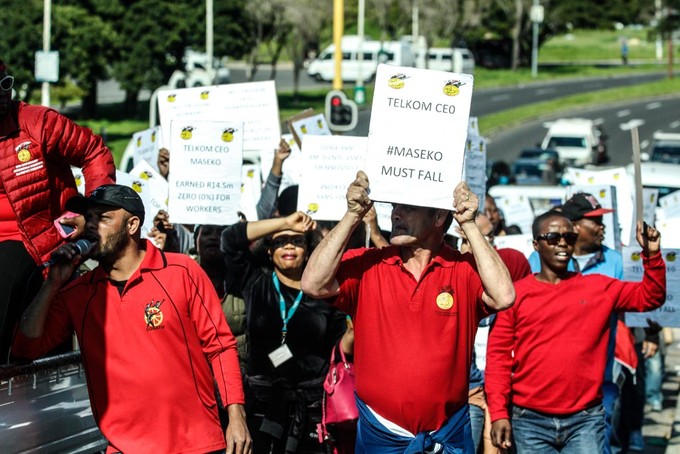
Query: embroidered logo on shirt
[(445, 298), (153, 315), (24, 156)]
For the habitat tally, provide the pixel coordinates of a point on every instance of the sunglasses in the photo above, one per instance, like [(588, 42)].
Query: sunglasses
[(283, 240), (553, 238), (7, 83)]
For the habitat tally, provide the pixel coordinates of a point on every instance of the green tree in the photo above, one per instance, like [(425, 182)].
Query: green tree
[(21, 25), (87, 47)]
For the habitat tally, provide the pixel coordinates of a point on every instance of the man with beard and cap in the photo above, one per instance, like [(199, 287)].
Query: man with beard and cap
[(38, 146), (152, 334)]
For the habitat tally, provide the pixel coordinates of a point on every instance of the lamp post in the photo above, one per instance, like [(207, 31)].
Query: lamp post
[(359, 90), (47, 27), (536, 15)]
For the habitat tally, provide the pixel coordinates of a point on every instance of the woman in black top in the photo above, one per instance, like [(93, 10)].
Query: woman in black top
[(290, 335)]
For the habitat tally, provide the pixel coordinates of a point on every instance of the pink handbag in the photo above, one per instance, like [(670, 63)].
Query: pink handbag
[(338, 404)]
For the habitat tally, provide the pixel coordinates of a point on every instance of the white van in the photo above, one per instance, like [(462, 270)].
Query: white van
[(577, 140), (391, 52), (457, 60)]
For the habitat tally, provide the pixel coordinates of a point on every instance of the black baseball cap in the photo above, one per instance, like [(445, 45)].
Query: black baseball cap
[(583, 205), (113, 195)]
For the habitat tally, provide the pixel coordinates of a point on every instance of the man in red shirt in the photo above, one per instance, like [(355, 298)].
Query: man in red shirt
[(547, 354), (153, 337), (416, 306)]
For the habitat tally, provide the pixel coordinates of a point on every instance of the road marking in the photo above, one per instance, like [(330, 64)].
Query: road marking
[(653, 105), (545, 91), (623, 113), (500, 98), (674, 124)]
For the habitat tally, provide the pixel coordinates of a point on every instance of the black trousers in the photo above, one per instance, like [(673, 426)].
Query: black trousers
[(20, 280)]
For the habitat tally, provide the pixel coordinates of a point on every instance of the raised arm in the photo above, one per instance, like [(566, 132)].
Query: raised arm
[(499, 293), (298, 222), (318, 279)]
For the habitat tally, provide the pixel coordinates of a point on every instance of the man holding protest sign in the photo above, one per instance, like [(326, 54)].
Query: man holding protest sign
[(416, 306)]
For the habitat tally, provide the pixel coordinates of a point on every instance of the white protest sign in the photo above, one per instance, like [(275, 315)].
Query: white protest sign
[(416, 139), (141, 187), (330, 165), (311, 126), (205, 181), (669, 229), (292, 166), (251, 190), (475, 168), (625, 208), (79, 179), (254, 103), (523, 243), (669, 313), (516, 211), (147, 143), (157, 190), (669, 206), (606, 196), (384, 215)]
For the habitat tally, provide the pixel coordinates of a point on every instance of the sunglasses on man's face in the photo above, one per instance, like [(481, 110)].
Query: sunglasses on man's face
[(283, 240), (553, 238), (7, 83)]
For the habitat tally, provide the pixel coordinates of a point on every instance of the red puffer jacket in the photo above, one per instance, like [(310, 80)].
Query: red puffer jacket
[(38, 146)]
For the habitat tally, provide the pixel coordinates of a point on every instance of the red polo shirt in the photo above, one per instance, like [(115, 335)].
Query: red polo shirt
[(413, 343)]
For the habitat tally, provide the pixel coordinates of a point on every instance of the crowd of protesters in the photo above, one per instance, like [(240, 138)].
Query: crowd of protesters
[(218, 338)]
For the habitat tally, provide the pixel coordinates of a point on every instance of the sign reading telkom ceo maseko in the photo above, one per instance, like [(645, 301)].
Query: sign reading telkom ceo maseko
[(416, 140)]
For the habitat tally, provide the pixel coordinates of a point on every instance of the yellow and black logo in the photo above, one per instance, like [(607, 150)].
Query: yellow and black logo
[(187, 133), (671, 256), (312, 208), (153, 316), (172, 97), (205, 94), (146, 175), (452, 87), (137, 186), (139, 141), (635, 256), (23, 155), (228, 134), (397, 81)]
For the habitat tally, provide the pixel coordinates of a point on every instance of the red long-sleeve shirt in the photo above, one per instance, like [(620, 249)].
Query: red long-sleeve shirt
[(558, 333)]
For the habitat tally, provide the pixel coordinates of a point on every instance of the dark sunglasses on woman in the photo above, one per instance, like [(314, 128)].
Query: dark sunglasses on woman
[(553, 238)]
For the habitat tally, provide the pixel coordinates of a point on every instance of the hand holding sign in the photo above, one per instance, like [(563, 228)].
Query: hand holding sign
[(358, 201), (465, 204), (649, 239), (300, 222)]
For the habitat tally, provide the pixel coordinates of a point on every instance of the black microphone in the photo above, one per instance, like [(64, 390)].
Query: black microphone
[(84, 246)]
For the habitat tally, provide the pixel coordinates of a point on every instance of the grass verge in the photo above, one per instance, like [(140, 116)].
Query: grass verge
[(494, 123)]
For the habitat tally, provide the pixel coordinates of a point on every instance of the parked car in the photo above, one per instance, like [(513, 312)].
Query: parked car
[(578, 141), (533, 171), (658, 175), (196, 71), (665, 148)]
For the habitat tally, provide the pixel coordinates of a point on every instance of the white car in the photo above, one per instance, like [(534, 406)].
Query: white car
[(578, 141)]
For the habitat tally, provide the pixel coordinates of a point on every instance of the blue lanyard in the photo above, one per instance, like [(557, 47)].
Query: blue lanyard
[(282, 305)]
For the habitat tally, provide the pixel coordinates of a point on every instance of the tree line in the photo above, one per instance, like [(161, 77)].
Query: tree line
[(141, 42)]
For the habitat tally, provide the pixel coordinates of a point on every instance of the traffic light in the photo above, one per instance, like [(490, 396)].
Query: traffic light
[(341, 113)]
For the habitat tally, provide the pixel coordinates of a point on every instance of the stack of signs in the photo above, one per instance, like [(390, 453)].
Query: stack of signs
[(669, 313), (606, 196), (330, 165), (416, 140), (475, 162), (141, 187), (625, 194), (254, 104), (292, 166), (205, 176), (146, 145)]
